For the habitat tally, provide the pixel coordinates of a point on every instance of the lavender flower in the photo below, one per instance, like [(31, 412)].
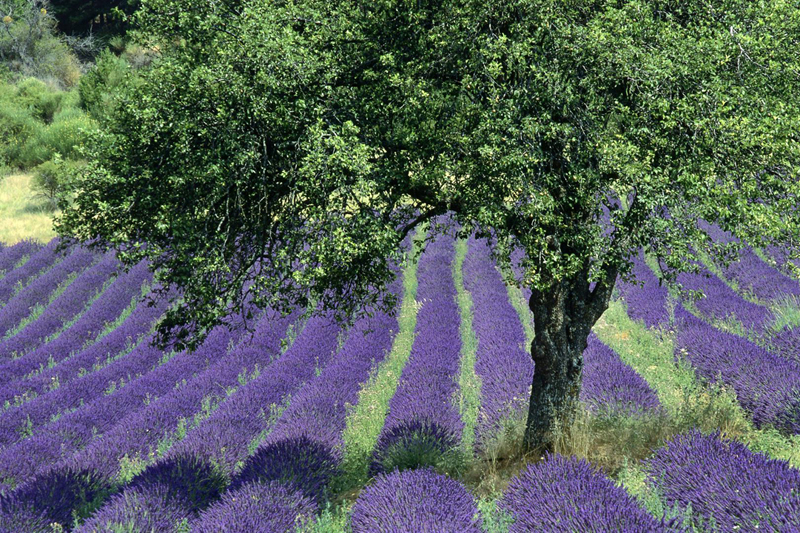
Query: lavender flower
[(726, 485), (39, 261), (11, 255), (263, 507), (61, 495), (567, 494), (302, 463), (226, 435), (415, 501), (183, 480), (39, 290), (647, 302), (155, 509)]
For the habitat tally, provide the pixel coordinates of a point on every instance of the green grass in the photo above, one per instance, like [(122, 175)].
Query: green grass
[(469, 399), (23, 215), (365, 420)]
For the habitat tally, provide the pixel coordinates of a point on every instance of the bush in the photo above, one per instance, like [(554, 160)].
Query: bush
[(51, 178), (69, 131), (97, 87)]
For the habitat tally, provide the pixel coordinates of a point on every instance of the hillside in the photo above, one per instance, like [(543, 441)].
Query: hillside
[(311, 420)]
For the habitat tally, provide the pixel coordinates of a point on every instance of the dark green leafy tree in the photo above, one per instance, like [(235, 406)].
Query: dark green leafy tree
[(278, 152)]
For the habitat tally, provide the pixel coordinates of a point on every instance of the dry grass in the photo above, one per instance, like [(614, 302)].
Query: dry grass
[(22, 214)]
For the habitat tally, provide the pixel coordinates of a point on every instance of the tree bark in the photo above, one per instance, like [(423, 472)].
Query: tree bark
[(563, 318)]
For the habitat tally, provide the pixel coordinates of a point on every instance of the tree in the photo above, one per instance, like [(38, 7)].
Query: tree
[(278, 152)]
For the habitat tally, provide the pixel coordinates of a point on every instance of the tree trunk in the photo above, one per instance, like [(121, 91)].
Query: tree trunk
[(563, 318)]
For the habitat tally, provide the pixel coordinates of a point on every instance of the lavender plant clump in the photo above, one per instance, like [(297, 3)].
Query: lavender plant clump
[(269, 507), (423, 425), (305, 446), (153, 509), (752, 274), (502, 364), (567, 494), (139, 432), (75, 392), (415, 501), (767, 386), (726, 486), (56, 316), (73, 431), (720, 302)]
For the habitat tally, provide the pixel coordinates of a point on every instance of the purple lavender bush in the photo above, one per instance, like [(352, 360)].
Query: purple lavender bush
[(302, 463), (155, 509), (226, 435), (786, 343), (567, 494), (727, 487), (257, 507), (185, 479), (60, 495), (415, 501), (39, 261), (11, 255)]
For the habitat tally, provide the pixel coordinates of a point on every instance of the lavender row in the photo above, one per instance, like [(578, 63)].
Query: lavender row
[(22, 421), (59, 440), (505, 369), (11, 255), (721, 302), (645, 297), (139, 432), (224, 438), (39, 292), (610, 386), (781, 256), (421, 412), (305, 447), (567, 494), (726, 486), (58, 313), (68, 357), (415, 500), (753, 275), (39, 261), (767, 386)]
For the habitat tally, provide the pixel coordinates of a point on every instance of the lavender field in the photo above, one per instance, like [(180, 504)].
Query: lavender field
[(402, 422)]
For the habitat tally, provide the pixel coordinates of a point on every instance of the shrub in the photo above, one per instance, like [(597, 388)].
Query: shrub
[(59, 496), (264, 507), (414, 444), (300, 462), (187, 480), (97, 87), (69, 131), (415, 500), (155, 508)]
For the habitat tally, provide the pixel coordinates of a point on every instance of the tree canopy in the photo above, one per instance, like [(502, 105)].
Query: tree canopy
[(278, 152)]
